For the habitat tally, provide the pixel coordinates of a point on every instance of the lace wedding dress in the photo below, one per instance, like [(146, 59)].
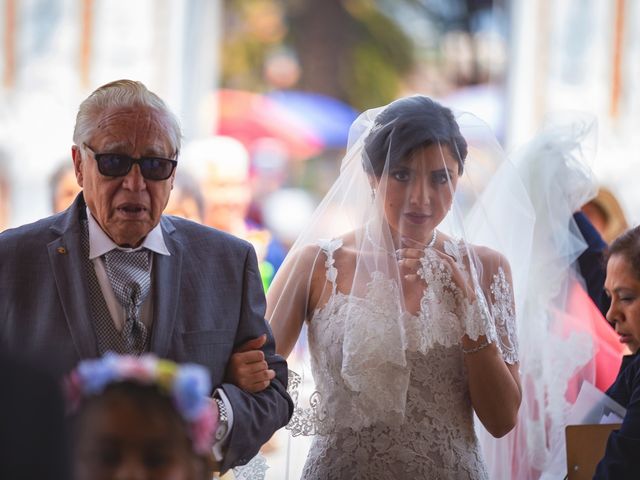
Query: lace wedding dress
[(412, 419)]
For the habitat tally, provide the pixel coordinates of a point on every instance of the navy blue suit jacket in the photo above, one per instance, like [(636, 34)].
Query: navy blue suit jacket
[(207, 299)]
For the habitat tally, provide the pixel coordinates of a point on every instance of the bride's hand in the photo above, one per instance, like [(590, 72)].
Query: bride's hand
[(247, 368), (410, 263)]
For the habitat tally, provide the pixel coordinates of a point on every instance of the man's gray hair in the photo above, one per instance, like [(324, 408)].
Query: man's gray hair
[(122, 94)]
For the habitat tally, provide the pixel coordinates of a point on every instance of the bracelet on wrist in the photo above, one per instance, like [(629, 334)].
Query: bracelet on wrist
[(482, 346)]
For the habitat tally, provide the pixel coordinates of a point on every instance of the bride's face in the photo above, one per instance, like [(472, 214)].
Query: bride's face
[(418, 192)]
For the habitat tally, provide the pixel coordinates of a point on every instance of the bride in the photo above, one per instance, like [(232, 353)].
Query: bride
[(410, 326)]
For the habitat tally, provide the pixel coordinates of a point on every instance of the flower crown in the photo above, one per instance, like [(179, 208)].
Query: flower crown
[(188, 385)]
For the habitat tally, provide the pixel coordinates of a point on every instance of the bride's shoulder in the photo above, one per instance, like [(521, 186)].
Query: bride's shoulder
[(317, 252), (491, 259)]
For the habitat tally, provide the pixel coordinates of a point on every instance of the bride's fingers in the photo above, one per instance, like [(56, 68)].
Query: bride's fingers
[(411, 264), (412, 278)]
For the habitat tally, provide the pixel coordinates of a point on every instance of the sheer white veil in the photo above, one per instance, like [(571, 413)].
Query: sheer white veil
[(557, 347), (363, 286)]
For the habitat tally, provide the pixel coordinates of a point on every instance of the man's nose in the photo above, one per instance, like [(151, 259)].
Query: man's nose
[(134, 180)]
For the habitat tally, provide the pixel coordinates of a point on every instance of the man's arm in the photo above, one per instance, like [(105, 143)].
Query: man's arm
[(256, 416)]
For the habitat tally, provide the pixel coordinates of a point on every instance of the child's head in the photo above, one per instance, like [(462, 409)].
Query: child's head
[(140, 418)]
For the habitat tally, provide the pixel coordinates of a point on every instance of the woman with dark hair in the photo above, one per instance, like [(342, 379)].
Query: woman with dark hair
[(410, 325), (621, 460)]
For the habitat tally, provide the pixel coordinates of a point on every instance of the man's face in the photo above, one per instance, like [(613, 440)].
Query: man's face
[(227, 196), (129, 207)]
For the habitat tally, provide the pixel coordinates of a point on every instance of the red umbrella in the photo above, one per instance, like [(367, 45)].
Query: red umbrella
[(250, 117)]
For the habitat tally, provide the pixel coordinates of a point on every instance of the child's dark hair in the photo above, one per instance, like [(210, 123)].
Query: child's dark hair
[(407, 125)]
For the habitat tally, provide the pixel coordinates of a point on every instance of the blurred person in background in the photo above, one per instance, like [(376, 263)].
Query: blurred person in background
[(5, 196), (270, 165), (111, 273), (591, 262), (186, 198), (63, 186), (221, 164), (606, 214)]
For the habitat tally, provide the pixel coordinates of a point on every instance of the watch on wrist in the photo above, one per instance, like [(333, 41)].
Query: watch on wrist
[(223, 420)]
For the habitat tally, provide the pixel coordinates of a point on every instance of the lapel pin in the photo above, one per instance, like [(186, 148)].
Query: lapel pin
[(61, 250)]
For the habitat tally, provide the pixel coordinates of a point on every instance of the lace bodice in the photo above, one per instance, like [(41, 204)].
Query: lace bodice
[(364, 428)]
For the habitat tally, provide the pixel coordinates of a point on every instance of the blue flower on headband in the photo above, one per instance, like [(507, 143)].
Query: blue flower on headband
[(97, 374), (188, 385), (192, 386)]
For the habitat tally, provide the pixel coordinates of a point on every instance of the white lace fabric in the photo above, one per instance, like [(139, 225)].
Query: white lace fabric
[(391, 388), (416, 262)]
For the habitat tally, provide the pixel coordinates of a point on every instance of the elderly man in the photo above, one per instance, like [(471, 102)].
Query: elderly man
[(111, 273)]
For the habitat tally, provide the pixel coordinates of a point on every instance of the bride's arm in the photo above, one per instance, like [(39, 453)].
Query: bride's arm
[(292, 296), (494, 386), (494, 381)]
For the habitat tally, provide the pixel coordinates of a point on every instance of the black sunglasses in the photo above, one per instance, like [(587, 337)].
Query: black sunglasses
[(118, 165)]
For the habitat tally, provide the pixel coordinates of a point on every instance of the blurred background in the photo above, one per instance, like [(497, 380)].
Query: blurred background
[(266, 91)]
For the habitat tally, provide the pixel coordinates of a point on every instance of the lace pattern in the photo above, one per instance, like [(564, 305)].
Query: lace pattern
[(305, 419), (436, 439), (503, 311), (446, 314), (256, 469), (391, 396)]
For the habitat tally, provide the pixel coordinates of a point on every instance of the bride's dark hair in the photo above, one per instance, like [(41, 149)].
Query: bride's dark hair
[(406, 125)]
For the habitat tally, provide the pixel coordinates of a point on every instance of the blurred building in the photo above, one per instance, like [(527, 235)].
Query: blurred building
[(53, 53), (580, 55)]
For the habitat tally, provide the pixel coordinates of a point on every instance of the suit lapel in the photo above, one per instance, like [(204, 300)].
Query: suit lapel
[(167, 270), (67, 260)]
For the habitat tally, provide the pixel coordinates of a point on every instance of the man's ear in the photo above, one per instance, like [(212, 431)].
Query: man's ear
[(76, 155)]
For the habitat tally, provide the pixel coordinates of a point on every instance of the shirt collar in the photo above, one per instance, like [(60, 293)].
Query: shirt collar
[(100, 243)]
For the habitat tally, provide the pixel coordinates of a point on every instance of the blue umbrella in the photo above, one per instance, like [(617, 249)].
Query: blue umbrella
[(326, 117)]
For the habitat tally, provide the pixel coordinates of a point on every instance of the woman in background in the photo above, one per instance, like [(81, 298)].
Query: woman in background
[(621, 459)]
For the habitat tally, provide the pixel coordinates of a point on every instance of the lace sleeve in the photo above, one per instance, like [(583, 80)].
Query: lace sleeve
[(503, 313), (492, 313)]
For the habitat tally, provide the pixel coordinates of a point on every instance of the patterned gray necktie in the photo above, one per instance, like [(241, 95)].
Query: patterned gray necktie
[(130, 278)]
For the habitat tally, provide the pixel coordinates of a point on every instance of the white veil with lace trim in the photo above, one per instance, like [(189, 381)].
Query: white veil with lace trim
[(408, 252)]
